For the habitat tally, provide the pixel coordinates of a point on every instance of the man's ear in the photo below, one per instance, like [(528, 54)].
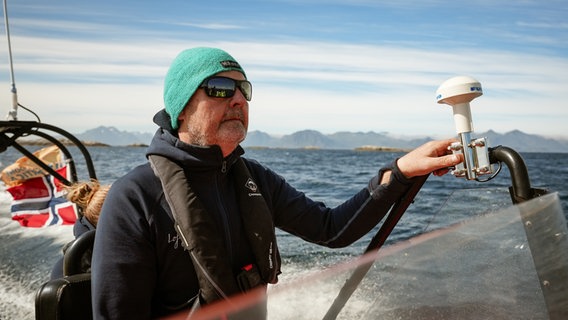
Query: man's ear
[(181, 116)]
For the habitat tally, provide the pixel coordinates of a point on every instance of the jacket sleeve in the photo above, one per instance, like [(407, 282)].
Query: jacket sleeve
[(313, 221), (123, 265)]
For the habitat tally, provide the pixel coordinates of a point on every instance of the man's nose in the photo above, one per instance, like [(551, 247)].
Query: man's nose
[(238, 99)]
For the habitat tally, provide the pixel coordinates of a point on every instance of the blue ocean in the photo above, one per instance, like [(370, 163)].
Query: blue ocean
[(329, 176)]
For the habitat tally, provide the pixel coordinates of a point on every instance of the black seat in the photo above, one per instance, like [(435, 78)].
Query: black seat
[(69, 297), (77, 258)]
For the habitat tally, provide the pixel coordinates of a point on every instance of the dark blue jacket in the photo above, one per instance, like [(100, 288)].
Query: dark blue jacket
[(140, 269)]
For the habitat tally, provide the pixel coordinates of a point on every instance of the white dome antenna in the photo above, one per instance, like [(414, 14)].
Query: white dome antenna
[(458, 92)]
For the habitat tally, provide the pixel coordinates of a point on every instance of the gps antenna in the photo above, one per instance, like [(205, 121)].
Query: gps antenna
[(458, 92)]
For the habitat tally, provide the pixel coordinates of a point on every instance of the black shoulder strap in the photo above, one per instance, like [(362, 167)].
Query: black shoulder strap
[(215, 277), (258, 224)]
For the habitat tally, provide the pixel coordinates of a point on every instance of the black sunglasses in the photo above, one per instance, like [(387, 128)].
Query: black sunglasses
[(223, 87)]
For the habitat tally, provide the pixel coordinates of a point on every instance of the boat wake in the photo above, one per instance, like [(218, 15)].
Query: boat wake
[(26, 258)]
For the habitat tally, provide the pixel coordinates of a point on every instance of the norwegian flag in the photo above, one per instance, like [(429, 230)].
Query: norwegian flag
[(40, 201)]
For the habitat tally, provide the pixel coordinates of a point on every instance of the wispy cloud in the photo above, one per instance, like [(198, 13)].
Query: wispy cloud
[(326, 86), (211, 26)]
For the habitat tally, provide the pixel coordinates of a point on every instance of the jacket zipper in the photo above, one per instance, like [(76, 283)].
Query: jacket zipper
[(224, 212)]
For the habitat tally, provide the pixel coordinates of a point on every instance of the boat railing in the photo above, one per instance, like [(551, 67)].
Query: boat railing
[(11, 133)]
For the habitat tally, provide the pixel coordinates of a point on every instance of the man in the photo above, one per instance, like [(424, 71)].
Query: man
[(196, 223)]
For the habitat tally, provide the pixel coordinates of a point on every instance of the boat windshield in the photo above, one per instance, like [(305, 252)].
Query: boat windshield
[(506, 263)]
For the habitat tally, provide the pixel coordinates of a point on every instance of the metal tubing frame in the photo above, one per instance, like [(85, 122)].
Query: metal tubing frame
[(10, 131), (520, 189)]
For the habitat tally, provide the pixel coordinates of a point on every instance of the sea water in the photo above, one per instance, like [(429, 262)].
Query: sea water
[(329, 176)]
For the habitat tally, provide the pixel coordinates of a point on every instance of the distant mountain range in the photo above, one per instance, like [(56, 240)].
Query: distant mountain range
[(114, 137), (517, 140)]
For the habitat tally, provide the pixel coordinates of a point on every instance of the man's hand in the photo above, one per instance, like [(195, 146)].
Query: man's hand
[(432, 156)]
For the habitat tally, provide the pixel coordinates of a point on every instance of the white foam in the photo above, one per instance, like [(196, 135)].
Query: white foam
[(27, 256)]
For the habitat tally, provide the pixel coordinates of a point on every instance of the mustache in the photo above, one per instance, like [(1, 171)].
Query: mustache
[(234, 115)]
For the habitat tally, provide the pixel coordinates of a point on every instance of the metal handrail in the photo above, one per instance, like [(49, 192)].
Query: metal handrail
[(10, 131)]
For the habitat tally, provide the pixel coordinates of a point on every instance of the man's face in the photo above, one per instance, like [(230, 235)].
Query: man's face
[(209, 121)]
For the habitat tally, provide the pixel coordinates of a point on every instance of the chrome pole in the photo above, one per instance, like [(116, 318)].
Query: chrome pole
[(13, 113)]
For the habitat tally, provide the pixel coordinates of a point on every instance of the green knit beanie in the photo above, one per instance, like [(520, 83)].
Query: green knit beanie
[(187, 72)]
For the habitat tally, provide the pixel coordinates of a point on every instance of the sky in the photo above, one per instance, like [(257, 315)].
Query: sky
[(330, 66)]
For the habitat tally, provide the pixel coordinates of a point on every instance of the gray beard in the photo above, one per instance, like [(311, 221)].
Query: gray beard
[(196, 137)]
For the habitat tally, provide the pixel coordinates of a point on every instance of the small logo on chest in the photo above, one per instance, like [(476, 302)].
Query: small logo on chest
[(251, 185)]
